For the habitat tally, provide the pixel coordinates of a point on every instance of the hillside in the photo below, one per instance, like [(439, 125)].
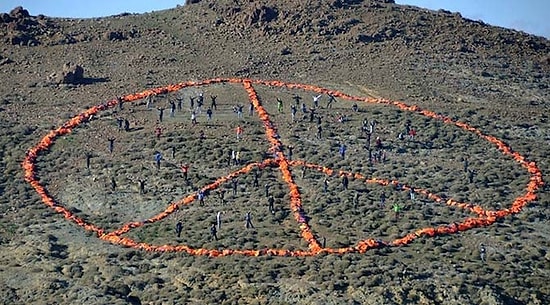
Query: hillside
[(493, 79)]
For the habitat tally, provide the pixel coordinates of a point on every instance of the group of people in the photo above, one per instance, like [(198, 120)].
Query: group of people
[(216, 226), (376, 152)]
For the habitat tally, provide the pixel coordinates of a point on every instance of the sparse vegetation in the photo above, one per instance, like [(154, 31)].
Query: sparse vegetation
[(496, 85)]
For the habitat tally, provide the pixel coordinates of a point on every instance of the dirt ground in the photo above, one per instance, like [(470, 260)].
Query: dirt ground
[(493, 79)]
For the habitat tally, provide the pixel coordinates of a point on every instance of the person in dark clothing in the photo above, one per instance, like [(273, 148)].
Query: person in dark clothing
[(111, 144), (255, 183), (345, 182), (248, 221), (266, 190), (88, 159), (213, 104), (213, 232), (221, 195), (235, 183), (141, 184), (119, 122), (180, 102), (126, 125), (311, 115), (271, 202), (119, 101), (172, 108), (471, 175), (290, 148), (296, 99), (331, 99), (383, 199), (179, 228), (161, 113)]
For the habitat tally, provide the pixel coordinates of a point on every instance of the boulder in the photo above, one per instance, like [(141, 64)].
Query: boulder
[(5, 18), (20, 38), (19, 13), (71, 74), (113, 35)]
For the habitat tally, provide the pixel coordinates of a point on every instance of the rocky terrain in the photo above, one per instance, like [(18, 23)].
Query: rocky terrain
[(494, 79)]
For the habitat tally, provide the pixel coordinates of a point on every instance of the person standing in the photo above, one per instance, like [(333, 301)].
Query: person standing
[(185, 170), (179, 228), (221, 195), (240, 111), (172, 108), (293, 111), (471, 175), (126, 125), (250, 108), (158, 132), (213, 232), (296, 99), (179, 98), (482, 252), (319, 132), (219, 220), (158, 158), (193, 118), (200, 102), (290, 148), (397, 210), (213, 104), (161, 113), (141, 185), (266, 190), (316, 100), (120, 101), (412, 193), (325, 185), (331, 99), (120, 123), (383, 200), (279, 105), (111, 144), (271, 203), (233, 157), (88, 159), (113, 184), (200, 196), (345, 182), (248, 221), (342, 150), (235, 183), (239, 131), (149, 101), (238, 157), (255, 182)]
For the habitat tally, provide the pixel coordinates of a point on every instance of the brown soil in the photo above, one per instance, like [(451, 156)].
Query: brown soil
[(494, 79)]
